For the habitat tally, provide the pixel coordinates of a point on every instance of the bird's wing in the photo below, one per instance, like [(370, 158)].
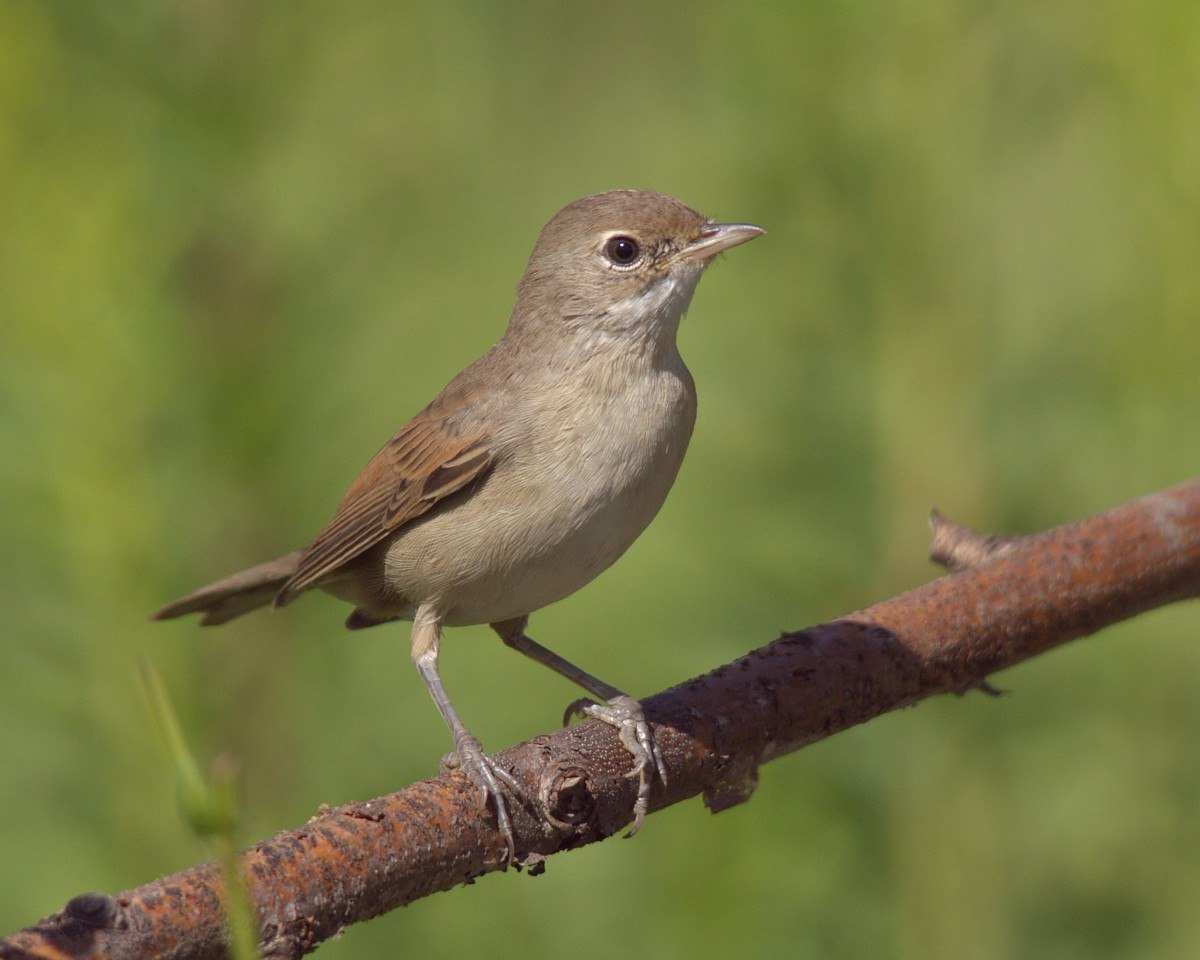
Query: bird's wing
[(430, 458)]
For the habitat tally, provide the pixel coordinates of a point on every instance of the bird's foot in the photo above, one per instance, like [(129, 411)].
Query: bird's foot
[(490, 779), (625, 713)]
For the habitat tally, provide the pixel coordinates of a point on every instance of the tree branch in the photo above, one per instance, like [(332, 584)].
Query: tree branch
[(1011, 599)]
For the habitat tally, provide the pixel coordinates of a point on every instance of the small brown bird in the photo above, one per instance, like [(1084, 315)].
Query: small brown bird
[(531, 472)]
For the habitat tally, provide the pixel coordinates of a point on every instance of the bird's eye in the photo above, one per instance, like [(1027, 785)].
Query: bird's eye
[(622, 251)]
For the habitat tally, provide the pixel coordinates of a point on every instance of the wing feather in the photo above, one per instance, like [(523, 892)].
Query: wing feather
[(428, 460)]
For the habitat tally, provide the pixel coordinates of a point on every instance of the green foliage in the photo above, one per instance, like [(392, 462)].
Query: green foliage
[(209, 808), (241, 242)]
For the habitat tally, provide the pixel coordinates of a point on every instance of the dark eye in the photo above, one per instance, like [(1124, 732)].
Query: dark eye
[(622, 250)]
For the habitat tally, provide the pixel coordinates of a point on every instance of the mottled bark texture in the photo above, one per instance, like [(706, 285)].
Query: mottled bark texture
[(1009, 599)]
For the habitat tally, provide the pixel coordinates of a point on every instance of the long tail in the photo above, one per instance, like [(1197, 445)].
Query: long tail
[(236, 594)]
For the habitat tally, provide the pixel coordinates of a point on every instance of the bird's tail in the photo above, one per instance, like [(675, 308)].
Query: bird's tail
[(236, 594)]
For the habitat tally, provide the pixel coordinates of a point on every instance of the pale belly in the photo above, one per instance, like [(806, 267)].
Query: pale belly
[(547, 521)]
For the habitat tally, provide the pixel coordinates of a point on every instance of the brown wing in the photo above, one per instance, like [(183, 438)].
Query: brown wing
[(427, 461)]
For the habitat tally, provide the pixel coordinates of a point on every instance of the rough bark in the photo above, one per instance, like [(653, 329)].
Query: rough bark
[(1009, 599)]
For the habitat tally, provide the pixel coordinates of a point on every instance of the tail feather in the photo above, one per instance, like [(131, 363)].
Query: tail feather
[(239, 593)]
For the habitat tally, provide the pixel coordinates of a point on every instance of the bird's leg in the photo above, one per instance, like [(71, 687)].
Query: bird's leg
[(482, 771), (619, 710)]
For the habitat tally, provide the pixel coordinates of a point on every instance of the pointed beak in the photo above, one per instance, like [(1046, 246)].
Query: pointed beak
[(716, 237)]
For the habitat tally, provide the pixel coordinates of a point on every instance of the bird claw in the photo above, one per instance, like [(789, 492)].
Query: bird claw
[(487, 776), (625, 713)]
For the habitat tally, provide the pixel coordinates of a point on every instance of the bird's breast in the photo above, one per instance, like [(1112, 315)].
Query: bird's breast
[(585, 466)]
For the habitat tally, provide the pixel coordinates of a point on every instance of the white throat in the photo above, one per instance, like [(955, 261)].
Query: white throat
[(649, 318)]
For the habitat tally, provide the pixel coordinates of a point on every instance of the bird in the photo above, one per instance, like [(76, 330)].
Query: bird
[(529, 474)]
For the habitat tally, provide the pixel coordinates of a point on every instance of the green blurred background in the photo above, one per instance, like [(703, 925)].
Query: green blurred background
[(241, 242)]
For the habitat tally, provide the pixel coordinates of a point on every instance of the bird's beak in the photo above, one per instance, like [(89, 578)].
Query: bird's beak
[(716, 237)]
